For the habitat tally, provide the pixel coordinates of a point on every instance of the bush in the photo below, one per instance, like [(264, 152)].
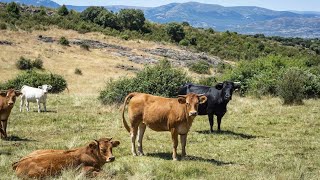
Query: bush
[(24, 64), (184, 42), (3, 26), (78, 71), (13, 9), (208, 81), (200, 67), (175, 31), (291, 86), (84, 46), (37, 63), (63, 11), (160, 79), (64, 41), (125, 37), (34, 79)]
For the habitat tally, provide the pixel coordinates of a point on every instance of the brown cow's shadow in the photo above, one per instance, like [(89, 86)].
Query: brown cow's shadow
[(227, 132), (17, 138), (168, 156)]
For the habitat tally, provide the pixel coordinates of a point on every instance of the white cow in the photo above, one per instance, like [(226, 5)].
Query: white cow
[(31, 94)]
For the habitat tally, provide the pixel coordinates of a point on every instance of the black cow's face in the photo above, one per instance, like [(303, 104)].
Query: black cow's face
[(227, 88)]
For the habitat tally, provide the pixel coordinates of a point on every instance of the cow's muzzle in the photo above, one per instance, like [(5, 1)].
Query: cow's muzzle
[(110, 159), (193, 113)]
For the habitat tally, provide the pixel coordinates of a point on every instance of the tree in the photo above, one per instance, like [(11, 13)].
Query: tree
[(63, 11), (91, 13), (175, 31), (13, 9), (107, 19), (132, 19)]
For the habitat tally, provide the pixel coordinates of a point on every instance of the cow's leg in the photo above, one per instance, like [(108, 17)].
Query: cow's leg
[(4, 129), (219, 118), (27, 105), (174, 136), (38, 103), (21, 103), (133, 133), (183, 139), (142, 128), (210, 116), (45, 106)]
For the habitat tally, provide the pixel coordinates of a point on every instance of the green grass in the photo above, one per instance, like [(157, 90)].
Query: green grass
[(261, 139)]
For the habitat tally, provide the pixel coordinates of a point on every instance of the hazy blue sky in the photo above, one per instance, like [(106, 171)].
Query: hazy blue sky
[(301, 5)]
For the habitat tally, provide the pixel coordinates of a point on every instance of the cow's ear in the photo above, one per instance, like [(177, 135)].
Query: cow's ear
[(203, 99), (237, 85), (219, 86), (40, 87), (18, 93), (115, 143), (182, 99), (94, 145), (3, 93)]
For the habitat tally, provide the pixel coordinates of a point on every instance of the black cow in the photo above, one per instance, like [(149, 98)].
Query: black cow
[(218, 97)]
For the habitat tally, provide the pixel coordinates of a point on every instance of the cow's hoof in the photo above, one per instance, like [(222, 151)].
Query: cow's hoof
[(175, 159), (141, 153)]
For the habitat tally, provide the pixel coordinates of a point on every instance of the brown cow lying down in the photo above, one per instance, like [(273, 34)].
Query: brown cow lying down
[(43, 163), (161, 114)]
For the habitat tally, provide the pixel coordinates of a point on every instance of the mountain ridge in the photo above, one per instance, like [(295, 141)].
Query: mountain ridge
[(241, 19)]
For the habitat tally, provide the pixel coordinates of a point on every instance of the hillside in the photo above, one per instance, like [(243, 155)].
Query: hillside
[(108, 57)]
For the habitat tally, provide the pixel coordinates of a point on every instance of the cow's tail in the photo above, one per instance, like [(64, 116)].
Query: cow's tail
[(123, 109)]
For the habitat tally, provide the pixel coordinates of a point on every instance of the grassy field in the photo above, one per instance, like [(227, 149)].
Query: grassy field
[(261, 139)]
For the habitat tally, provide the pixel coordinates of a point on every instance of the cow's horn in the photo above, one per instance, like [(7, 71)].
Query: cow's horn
[(237, 83), (200, 95)]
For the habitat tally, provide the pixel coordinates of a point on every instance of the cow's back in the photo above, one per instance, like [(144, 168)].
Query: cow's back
[(154, 111), (41, 165)]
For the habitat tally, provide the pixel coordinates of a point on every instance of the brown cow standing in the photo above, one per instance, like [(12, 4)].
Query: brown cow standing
[(7, 100), (161, 114), (42, 163)]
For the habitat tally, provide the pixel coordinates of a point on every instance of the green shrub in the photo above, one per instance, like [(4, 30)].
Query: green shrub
[(37, 63), (222, 67), (84, 46), (200, 67), (64, 41), (184, 42), (63, 11), (78, 71), (3, 26), (291, 86), (160, 79), (175, 31), (34, 79), (13, 9), (24, 64), (208, 81), (125, 37)]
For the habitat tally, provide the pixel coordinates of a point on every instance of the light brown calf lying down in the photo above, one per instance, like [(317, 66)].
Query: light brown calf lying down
[(42, 163)]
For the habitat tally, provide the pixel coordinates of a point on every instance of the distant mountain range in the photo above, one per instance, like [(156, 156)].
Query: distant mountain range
[(241, 19)]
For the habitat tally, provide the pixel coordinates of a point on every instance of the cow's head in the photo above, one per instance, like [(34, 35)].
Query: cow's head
[(227, 88), (45, 88), (192, 102), (102, 149), (10, 95)]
